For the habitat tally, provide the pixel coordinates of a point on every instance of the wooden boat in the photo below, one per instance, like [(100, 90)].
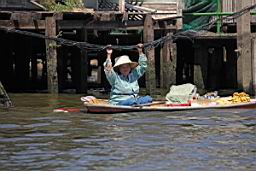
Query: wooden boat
[(153, 107)]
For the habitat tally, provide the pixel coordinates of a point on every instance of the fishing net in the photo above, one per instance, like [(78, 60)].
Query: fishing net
[(197, 6)]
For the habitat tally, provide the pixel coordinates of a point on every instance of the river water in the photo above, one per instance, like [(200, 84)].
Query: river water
[(32, 137)]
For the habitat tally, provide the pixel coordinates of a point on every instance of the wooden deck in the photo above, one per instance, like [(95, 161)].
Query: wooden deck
[(127, 18)]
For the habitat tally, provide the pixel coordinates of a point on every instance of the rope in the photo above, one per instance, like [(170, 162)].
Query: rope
[(189, 34)]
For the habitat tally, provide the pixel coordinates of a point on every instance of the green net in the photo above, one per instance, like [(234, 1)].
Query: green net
[(197, 6)]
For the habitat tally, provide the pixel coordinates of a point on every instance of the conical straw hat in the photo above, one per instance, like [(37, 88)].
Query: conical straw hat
[(124, 60)]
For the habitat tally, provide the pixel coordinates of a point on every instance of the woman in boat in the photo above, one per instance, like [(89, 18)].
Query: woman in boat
[(123, 77)]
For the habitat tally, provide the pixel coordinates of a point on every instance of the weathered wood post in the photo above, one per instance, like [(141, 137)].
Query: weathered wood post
[(165, 78), (83, 66), (244, 62), (122, 6), (254, 64), (173, 63), (180, 6), (22, 63), (51, 53), (168, 63), (200, 67), (151, 73)]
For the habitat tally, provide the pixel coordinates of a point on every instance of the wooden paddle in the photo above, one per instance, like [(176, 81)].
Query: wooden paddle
[(149, 104)]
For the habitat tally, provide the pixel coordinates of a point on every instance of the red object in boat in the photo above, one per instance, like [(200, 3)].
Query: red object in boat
[(177, 105)]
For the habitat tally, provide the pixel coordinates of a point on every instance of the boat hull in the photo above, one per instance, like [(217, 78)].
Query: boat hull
[(111, 109)]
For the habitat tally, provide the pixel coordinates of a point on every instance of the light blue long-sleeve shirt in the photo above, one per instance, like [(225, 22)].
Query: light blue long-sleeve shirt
[(123, 87)]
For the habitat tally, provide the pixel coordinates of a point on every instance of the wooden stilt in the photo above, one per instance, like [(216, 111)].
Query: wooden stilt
[(215, 65), (244, 62), (6, 67), (168, 64), (52, 75), (254, 65), (151, 73), (61, 62), (230, 66), (122, 6), (33, 62), (173, 63), (83, 66), (164, 69), (22, 63), (33, 69), (200, 67), (180, 6), (61, 68)]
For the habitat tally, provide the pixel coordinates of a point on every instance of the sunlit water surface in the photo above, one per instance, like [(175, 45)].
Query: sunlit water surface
[(32, 137)]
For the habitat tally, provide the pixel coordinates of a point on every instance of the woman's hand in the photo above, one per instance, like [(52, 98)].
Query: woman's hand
[(108, 65), (109, 51), (140, 47)]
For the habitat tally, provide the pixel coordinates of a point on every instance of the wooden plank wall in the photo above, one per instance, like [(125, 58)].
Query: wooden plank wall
[(231, 6), (165, 6)]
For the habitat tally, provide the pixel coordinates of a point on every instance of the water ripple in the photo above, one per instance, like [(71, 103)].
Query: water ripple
[(34, 138)]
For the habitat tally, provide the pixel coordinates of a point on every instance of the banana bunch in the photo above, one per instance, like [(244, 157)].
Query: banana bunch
[(94, 101), (223, 101), (91, 100), (240, 98)]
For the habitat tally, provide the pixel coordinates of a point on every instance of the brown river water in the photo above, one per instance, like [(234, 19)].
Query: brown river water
[(32, 137)]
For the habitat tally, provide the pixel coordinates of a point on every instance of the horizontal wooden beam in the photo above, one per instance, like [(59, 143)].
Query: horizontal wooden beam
[(211, 35), (32, 15), (78, 24), (27, 25), (108, 25)]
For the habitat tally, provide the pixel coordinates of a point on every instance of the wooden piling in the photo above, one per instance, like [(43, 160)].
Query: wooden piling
[(215, 68), (164, 62), (52, 75), (122, 6), (168, 63), (173, 63), (200, 67), (61, 69), (244, 62), (254, 64), (21, 63), (61, 63), (150, 52), (34, 69), (6, 64), (180, 6), (83, 66), (33, 61)]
